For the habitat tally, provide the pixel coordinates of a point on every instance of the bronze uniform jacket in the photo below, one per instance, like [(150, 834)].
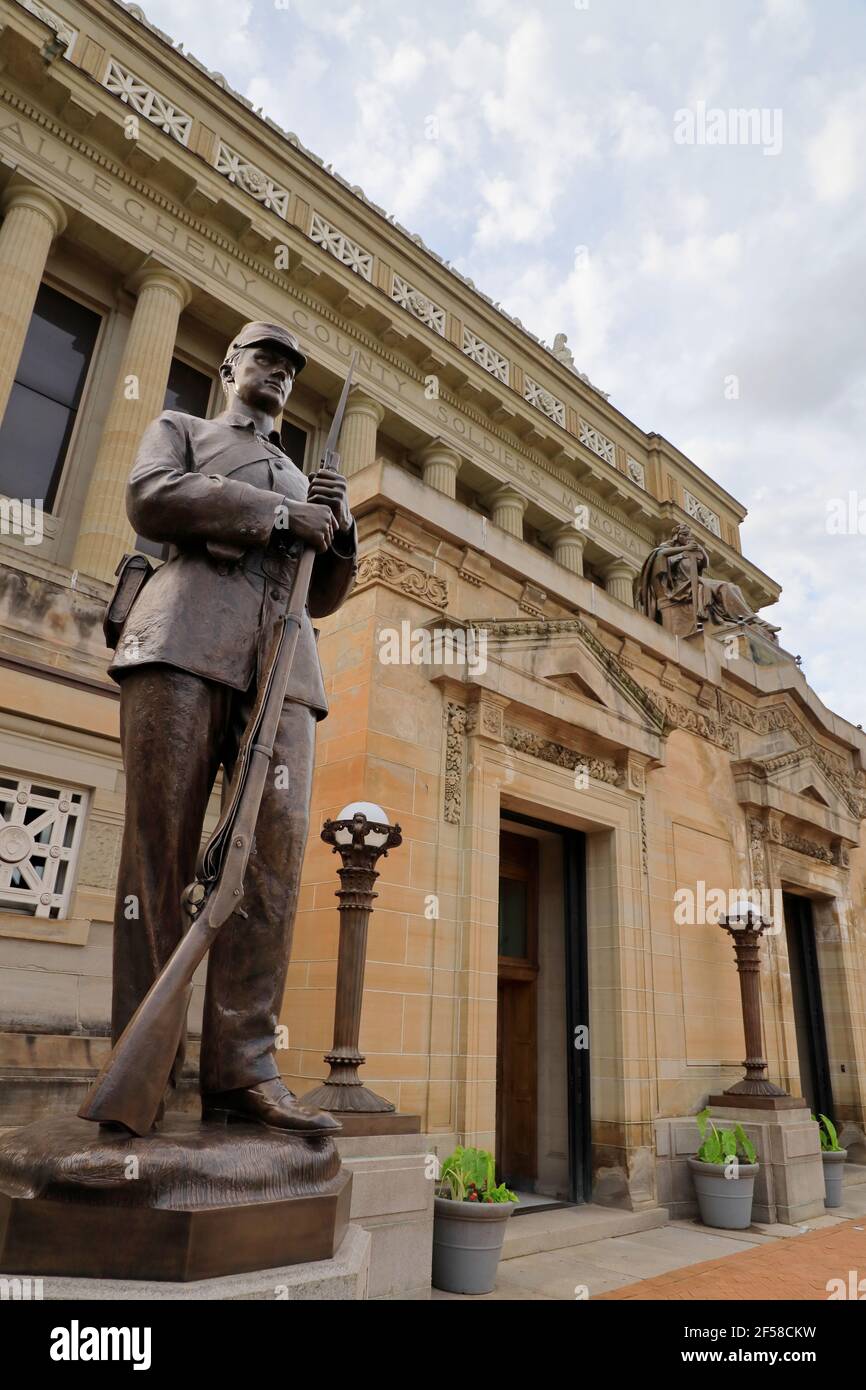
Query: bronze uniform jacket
[(196, 481)]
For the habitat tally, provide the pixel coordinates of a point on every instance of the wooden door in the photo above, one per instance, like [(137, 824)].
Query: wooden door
[(517, 1016)]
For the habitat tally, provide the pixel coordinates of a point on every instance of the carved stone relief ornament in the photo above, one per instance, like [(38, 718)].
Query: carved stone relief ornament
[(455, 731)]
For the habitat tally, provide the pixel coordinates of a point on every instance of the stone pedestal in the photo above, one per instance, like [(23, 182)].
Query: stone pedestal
[(789, 1187), (790, 1184), (392, 1198), (193, 1200), (342, 1278)]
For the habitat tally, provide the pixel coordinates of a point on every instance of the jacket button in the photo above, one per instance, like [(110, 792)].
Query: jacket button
[(275, 593)]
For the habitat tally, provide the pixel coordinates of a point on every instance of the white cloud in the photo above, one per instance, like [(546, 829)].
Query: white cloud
[(835, 155)]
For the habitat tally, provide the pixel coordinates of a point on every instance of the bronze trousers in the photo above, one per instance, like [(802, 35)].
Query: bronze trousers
[(176, 730)]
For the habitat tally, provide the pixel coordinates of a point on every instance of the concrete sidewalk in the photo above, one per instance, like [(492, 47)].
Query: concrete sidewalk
[(603, 1266)]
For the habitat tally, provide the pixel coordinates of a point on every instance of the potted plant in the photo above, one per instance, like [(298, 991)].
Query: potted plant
[(470, 1212), (833, 1156), (724, 1170)]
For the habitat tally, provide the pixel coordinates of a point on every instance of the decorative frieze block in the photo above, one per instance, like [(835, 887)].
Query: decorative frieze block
[(147, 102), (694, 722), (527, 741), (702, 513), (801, 845), (252, 180), (62, 29), (597, 442), (337, 244), (405, 578), (40, 840), (635, 470), (486, 356), (418, 304), (543, 400)]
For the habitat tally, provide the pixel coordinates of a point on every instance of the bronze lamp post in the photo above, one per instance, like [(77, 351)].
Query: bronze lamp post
[(746, 926), (360, 834)]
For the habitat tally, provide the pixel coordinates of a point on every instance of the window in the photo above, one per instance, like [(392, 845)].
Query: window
[(40, 839), (40, 416), (187, 390), (294, 441)]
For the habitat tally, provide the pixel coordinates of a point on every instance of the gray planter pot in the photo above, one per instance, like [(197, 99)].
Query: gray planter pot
[(467, 1243), (834, 1169), (724, 1202)]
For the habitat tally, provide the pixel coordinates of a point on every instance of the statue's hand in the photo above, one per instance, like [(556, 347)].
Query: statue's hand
[(314, 523), (329, 486)]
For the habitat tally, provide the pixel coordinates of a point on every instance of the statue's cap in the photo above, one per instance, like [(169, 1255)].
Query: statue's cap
[(252, 334)]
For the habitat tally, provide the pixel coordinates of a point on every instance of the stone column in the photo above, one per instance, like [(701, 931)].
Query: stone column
[(441, 464), (568, 544), (619, 582), (358, 436), (508, 507), (33, 219), (138, 397)]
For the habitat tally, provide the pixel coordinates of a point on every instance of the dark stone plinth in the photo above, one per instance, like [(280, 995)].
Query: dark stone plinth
[(192, 1200), (377, 1122), (747, 1102)]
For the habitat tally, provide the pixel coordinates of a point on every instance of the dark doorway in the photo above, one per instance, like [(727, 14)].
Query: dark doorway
[(542, 1074), (808, 1006)]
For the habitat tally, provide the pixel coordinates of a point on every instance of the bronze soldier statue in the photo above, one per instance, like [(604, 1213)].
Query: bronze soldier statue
[(236, 513)]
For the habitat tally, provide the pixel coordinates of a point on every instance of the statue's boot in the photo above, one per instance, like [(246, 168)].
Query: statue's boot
[(268, 1103)]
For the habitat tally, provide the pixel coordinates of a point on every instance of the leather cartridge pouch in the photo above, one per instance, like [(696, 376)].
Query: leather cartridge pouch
[(132, 573)]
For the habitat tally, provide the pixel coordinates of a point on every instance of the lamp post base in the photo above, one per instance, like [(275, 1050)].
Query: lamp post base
[(741, 1101), (341, 1099)]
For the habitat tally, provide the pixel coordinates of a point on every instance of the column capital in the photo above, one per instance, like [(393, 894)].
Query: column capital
[(440, 451), (360, 402), (152, 275), (620, 569), (29, 195), (507, 492), (567, 531)]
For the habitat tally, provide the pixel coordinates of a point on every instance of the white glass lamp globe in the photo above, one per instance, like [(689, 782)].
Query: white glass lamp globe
[(738, 916), (374, 838)]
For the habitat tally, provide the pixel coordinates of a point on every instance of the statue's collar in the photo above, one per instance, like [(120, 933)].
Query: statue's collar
[(245, 422)]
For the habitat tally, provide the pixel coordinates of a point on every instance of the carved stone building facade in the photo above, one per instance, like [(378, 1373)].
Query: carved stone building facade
[(561, 766)]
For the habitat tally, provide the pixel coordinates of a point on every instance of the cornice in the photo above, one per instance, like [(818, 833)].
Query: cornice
[(326, 311), (135, 28)]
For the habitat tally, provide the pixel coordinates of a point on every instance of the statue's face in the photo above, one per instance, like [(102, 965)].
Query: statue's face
[(263, 377)]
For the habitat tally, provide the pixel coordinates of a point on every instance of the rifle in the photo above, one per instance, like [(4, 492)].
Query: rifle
[(131, 1084)]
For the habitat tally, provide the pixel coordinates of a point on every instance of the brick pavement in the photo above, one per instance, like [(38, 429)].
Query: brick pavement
[(798, 1267)]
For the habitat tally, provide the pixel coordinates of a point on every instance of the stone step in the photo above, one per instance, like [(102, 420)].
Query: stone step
[(562, 1227), (854, 1173), (27, 1097)]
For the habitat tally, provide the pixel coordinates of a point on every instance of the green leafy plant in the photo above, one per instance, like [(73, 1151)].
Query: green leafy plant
[(722, 1145), (827, 1130), (468, 1175)]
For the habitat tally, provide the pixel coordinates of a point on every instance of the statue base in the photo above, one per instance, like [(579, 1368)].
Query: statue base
[(192, 1200)]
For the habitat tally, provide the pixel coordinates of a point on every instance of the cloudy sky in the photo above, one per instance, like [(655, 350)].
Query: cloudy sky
[(717, 291)]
